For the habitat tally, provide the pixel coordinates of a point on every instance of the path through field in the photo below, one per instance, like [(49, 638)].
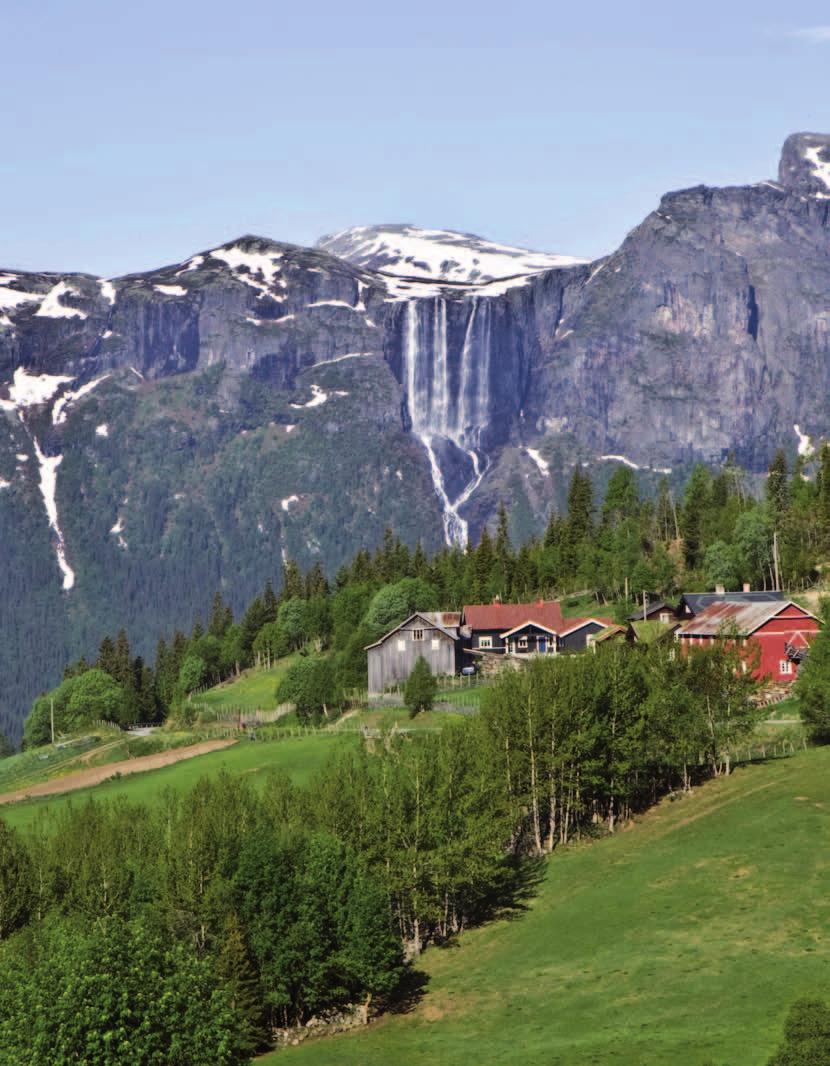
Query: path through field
[(96, 774)]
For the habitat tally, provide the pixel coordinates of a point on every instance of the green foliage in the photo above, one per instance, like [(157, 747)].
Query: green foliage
[(806, 1035), (812, 687), (311, 685), (116, 992), (420, 689), (394, 603), (193, 673)]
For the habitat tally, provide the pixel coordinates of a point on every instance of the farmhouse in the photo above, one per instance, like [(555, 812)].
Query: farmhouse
[(433, 635), (779, 629), (492, 627), (693, 603)]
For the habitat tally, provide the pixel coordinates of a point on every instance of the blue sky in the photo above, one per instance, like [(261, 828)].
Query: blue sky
[(134, 135)]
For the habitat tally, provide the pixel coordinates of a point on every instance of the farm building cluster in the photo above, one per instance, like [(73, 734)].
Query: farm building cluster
[(482, 638)]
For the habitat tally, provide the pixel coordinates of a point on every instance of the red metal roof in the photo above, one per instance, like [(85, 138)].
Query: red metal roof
[(504, 616), (745, 618)]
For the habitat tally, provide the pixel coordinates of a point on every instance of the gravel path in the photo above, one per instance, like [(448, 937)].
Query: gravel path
[(96, 774)]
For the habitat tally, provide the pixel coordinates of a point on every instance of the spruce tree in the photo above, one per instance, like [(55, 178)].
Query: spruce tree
[(238, 973), (420, 688)]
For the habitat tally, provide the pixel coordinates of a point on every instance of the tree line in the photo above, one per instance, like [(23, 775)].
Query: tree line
[(717, 532), (252, 910)]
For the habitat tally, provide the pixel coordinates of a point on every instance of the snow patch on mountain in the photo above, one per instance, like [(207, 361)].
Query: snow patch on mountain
[(10, 299), (59, 411), (248, 264), (821, 167), (52, 306), (30, 390), (107, 289), (48, 489), (438, 255), (543, 464), (319, 397), (171, 290)]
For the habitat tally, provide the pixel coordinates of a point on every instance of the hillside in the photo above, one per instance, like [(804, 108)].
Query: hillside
[(681, 940), (179, 431)]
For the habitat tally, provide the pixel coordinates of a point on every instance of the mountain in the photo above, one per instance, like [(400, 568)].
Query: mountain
[(168, 433), (437, 254)]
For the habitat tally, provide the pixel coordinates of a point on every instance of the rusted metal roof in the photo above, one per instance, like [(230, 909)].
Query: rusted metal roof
[(744, 618)]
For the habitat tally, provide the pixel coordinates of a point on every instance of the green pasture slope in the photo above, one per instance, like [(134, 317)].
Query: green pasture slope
[(679, 941), (298, 756), (254, 690)]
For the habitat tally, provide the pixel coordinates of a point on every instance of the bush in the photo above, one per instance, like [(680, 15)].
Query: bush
[(310, 684), (421, 686)]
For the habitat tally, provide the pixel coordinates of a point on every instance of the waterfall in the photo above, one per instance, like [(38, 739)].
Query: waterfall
[(435, 413)]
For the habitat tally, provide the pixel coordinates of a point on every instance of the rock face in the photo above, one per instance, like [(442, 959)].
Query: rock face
[(169, 433)]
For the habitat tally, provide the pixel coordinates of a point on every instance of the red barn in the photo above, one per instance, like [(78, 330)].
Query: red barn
[(782, 631)]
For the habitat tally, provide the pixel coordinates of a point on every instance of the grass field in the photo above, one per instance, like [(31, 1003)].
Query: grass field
[(254, 690), (299, 756), (679, 941)]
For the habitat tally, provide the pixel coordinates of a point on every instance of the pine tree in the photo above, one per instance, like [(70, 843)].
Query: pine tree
[(580, 507), (292, 581), (420, 688), (778, 492), (238, 973), (106, 656), (270, 603)]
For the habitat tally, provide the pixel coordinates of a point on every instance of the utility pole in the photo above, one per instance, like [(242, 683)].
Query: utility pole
[(775, 561)]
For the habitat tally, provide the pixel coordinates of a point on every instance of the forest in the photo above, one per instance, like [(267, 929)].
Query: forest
[(718, 532)]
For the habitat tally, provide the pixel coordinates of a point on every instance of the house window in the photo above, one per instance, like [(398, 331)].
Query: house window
[(522, 643), (485, 642), (665, 617), (435, 644), (590, 639), (401, 645), (785, 666), (417, 634)]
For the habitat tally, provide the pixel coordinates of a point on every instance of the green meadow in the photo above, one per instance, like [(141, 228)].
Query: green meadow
[(681, 940), (298, 756)]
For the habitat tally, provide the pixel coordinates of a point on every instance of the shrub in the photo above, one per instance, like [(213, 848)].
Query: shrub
[(421, 686)]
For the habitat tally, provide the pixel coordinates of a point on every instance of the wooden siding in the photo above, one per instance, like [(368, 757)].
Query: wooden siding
[(391, 661)]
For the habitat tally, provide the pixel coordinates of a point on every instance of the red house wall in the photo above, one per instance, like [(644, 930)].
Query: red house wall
[(773, 636)]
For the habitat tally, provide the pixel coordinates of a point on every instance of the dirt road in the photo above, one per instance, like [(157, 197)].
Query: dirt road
[(96, 774)]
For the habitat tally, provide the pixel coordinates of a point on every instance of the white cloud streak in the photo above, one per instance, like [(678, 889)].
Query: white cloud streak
[(812, 34)]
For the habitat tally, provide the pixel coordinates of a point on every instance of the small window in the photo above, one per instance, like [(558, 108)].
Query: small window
[(665, 617), (417, 634), (435, 643), (522, 643), (785, 666), (401, 645), (591, 638), (485, 642)]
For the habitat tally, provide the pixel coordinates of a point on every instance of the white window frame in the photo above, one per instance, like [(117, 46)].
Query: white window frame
[(665, 617), (785, 667), (401, 645), (435, 644), (522, 644), (418, 634), (485, 642)]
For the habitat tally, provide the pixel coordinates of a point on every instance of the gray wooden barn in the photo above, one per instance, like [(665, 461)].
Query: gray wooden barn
[(431, 634)]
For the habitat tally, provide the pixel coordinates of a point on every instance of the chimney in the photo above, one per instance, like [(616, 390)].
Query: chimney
[(720, 590), (747, 587)]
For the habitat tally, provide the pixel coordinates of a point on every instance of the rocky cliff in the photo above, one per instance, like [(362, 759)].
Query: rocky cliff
[(167, 433)]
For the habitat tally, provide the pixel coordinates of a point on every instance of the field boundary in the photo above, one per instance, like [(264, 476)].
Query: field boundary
[(97, 774)]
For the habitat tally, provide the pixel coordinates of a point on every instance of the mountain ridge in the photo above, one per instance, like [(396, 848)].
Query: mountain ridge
[(197, 423)]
